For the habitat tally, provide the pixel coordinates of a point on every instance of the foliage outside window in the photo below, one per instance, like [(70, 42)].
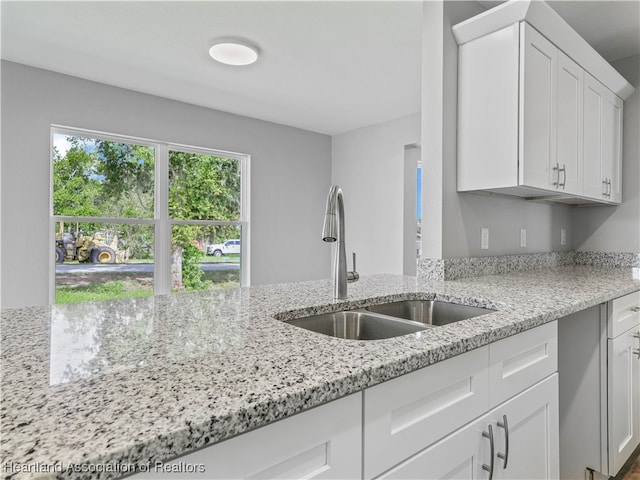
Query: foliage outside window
[(109, 215)]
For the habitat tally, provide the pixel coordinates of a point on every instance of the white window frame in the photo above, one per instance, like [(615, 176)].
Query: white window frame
[(161, 221)]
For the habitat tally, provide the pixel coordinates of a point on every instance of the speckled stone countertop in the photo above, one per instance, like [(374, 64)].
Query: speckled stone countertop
[(141, 380)]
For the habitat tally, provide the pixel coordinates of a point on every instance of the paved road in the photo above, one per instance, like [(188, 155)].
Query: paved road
[(132, 267)]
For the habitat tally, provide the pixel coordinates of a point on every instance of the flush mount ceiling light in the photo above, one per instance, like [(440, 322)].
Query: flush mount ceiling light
[(234, 52)]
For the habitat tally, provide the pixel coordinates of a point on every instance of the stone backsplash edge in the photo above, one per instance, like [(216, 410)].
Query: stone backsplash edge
[(456, 268)]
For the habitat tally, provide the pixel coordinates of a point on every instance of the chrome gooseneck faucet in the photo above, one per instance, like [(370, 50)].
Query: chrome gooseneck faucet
[(332, 231)]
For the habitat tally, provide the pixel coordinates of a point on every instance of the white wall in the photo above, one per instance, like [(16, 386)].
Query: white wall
[(617, 229), (432, 128), (463, 215), (290, 173), (368, 163)]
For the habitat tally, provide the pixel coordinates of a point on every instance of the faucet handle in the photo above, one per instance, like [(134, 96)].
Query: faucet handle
[(353, 276)]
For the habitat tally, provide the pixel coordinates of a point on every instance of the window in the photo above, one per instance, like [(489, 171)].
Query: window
[(133, 217)]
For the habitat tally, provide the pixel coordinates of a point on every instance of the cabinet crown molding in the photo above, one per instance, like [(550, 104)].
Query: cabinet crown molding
[(543, 18)]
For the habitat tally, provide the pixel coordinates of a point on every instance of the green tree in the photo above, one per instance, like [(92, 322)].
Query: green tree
[(127, 173), (75, 183), (201, 187)]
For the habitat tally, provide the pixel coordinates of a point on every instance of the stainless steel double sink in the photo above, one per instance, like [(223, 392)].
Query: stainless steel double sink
[(388, 320)]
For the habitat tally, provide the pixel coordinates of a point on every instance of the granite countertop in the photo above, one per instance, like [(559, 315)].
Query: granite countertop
[(140, 380)]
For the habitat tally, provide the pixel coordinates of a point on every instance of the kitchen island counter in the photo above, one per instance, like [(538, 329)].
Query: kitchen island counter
[(107, 385)]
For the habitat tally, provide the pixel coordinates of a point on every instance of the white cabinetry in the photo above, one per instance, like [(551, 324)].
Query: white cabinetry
[(602, 142), (405, 414), (526, 437), (599, 370), (570, 141), (324, 442), (518, 439), (551, 113), (538, 107), (432, 406), (624, 384), (532, 120), (541, 87)]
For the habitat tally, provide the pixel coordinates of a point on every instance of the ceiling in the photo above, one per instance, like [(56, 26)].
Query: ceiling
[(611, 27), (326, 66)]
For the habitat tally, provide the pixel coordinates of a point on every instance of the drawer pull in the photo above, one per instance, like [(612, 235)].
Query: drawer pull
[(505, 456), (637, 352), (562, 170), (635, 309), (485, 467)]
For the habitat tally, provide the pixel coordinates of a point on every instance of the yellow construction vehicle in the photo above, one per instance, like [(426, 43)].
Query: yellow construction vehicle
[(85, 248)]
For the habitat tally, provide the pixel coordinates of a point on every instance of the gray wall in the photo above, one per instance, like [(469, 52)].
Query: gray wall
[(290, 172), (465, 214), (617, 229), (368, 163)]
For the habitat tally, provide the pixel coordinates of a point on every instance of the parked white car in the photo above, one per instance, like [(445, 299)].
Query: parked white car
[(226, 248)]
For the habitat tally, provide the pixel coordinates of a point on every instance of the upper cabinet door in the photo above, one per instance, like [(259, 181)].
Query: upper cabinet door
[(538, 74), (602, 142), (612, 146), (570, 126), (594, 182)]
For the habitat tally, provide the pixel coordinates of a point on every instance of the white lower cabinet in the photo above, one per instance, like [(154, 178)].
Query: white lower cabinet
[(405, 414), (429, 424), (599, 369), (527, 439), (623, 379), (324, 442), (624, 397), (458, 456), (518, 439)]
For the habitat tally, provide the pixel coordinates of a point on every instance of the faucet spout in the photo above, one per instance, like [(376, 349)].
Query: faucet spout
[(333, 231)]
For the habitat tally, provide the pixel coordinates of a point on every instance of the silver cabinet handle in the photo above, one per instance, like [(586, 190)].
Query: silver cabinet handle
[(609, 189), (505, 456), (604, 182), (485, 467), (635, 352), (564, 176), (557, 182), (635, 309)]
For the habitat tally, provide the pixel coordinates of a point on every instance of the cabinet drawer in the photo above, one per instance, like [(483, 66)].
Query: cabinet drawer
[(624, 313), (407, 414), (533, 443), (324, 442), (520, 361)]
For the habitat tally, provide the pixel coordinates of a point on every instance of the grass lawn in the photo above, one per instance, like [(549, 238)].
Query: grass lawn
[(78, 288), (101, 291)]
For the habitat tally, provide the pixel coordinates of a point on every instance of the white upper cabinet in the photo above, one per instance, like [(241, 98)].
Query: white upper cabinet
[(533, 121), (570, 141), (612, 146), (602, 142), (538, 107)]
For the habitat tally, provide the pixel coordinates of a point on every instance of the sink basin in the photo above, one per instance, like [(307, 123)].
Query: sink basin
[(358, 325), (431, 312)]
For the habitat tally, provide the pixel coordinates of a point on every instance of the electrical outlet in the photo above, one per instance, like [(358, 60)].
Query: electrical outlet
[(523, 237), (563, 236), (484, 239)]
